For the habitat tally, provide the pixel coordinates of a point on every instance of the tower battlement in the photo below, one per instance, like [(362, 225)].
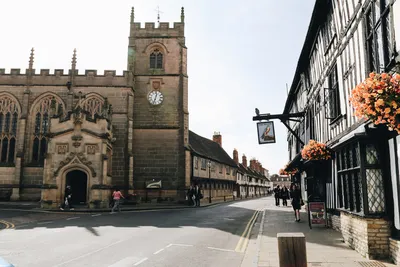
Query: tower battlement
[(163, 29), (58, 77)]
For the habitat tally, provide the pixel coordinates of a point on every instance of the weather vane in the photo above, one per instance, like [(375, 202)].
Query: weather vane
[(158, 14)]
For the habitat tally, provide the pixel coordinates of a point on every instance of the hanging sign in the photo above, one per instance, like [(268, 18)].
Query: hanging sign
[(266, 132)]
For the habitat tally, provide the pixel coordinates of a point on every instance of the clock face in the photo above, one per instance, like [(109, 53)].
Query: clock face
[(155, 97)]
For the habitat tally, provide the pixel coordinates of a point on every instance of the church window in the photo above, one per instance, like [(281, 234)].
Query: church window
[(93, 105), (156, 59), (43, 111), (9, 113)]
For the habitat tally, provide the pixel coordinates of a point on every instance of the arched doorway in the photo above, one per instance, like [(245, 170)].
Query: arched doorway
[(78, 182)]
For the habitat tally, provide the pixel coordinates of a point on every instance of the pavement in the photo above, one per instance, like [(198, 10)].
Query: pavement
[(325, 247), (237, 234), (210, 236)]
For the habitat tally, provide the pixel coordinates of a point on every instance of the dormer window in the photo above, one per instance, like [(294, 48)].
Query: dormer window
[(156, 59)]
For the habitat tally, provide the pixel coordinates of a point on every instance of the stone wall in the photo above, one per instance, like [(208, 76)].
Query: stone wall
[(368, 236), (395, 250), (334, 221)]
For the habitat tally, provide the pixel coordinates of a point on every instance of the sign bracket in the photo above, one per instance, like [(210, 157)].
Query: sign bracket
[(283, 118)]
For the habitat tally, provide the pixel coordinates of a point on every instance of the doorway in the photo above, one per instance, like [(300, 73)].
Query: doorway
[(78, 182)]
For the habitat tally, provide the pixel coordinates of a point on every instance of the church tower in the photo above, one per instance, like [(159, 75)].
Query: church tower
[(157, 59)]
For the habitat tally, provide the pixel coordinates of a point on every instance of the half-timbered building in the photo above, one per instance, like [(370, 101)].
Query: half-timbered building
[(346, 40)]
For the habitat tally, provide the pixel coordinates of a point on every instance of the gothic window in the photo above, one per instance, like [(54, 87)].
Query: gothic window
[(156, 59), (93, 105), (42, 112), (9, 113), (378, 31)]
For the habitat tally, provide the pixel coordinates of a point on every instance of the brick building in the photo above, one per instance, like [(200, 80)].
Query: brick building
[(95, 132)]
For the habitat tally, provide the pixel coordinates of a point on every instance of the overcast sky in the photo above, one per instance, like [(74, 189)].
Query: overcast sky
[(241, 54)]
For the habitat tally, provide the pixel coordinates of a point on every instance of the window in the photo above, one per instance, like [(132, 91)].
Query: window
[(93, 105), (203, 164), (360, 189), (220, 168), (156, 59), (42, 113), (329, 29), (9, 113), (332, 101), (228, 170), (379, 39), (196, 162)]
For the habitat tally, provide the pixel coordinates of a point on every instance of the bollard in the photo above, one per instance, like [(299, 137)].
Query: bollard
[(292, 250), (224, 198)]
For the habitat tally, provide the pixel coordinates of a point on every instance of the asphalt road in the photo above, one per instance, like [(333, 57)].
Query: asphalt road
[(211, 236)]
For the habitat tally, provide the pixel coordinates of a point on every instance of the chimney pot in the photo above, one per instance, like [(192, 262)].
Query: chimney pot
[(236, 156), (244, 160), (217, 138)]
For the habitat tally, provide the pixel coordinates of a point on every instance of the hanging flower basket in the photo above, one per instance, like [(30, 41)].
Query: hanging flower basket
[(378, 99), (316, 151), (288, 172)]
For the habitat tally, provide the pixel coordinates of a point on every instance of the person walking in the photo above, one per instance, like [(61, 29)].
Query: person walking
[(297, 201), (277, 192), (284, 195), (198, 195), (117, 195), (67, 199), (190, 196)]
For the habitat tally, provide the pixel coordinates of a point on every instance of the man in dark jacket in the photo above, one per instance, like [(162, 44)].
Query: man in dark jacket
[(277, 193), (67, 198), (190, 196)]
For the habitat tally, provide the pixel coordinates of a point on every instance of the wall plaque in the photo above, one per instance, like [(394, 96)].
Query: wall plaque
[(62, 148)]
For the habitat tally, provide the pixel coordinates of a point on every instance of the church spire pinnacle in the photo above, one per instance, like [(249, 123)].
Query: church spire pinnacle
[(73, 66), (182, 14), (31, 59), (133, 15)]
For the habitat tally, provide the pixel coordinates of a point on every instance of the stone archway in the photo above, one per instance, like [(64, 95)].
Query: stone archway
[(78, 180)]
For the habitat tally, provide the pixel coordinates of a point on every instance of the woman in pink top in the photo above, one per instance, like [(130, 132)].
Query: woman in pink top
[(117, 197)]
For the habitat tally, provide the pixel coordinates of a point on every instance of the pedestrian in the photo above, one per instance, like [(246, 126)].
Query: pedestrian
[(297, 201), (284, 195), (117, 198), (277, 192), (198, 195), (67, 203), (190, 196)]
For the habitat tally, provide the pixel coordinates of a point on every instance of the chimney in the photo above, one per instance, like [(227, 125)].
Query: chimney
[(244, 160), (235, 156), (217, 138), (252, 164)]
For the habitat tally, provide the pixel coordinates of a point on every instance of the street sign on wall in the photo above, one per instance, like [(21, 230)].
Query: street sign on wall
[(266, 132)]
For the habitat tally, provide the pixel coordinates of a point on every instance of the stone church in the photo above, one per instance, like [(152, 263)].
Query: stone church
[(97, 132)]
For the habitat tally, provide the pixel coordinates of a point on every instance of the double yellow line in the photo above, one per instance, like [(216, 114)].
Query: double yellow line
[(7, 224), (244, 239)]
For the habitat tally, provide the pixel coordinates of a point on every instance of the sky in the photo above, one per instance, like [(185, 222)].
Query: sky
[(241, 55)]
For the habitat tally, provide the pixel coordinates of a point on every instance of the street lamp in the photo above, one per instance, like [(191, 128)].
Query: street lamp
[(209, 180)]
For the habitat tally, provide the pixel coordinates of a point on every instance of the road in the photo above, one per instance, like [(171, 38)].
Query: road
[(210, 236)]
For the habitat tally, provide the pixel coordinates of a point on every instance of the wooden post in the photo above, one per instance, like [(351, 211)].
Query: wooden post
[(292, 250)]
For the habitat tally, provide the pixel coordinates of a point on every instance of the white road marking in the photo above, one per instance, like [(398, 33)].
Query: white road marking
[(169, 246), (158, 251), (221, 249), (89, 253), (72, 218), (141, 261), (180, 245), (95, 215), (45, 222)]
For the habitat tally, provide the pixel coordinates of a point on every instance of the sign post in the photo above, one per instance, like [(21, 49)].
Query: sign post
[(316, 213)]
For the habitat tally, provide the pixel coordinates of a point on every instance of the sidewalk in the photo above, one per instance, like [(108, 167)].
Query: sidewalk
[(324, 246)]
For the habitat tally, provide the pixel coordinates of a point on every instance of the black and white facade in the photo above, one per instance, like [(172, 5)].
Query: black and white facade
[(346, 40)]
